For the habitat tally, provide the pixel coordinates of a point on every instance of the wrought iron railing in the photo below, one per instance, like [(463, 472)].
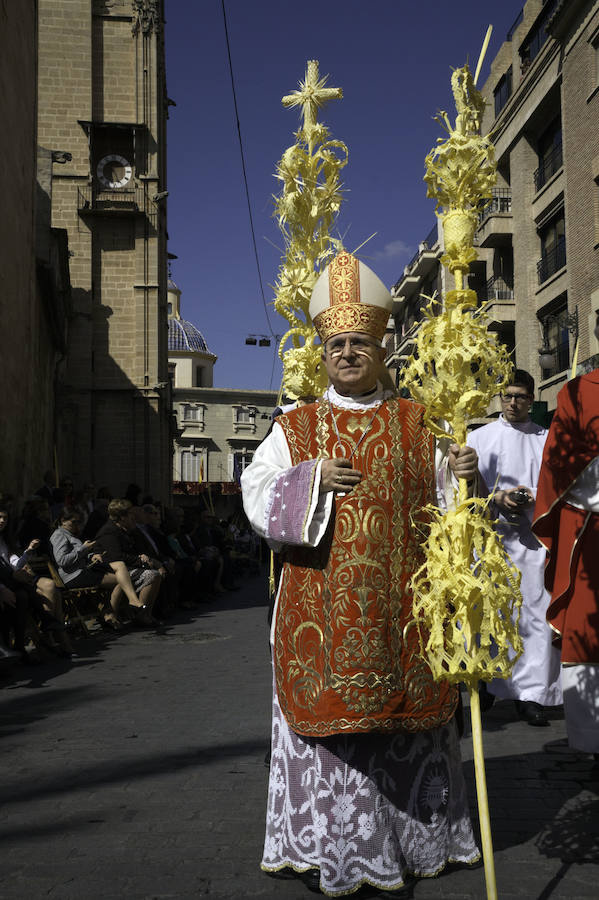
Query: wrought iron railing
[(538, 35), (428, 243), (550, 164), (501, 203), (519, 18), (498, 289), (552, 261), (136, 201), (432, 237)]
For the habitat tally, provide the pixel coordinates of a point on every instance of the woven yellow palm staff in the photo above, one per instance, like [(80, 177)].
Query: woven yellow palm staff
[(306, 210), (468, 590)]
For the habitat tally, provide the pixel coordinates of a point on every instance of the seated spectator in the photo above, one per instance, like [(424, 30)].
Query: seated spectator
[(46, 491), (133, 494), (97, 518), (202, 539), (149, 539), (87, 499), (81, 565), (32, 592), (36, 524), (116, 540), (81, 502), (8, 602), (63, 496), (188, 564)]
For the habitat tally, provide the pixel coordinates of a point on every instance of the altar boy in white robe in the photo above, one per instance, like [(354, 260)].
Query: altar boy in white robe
[(509, 459)]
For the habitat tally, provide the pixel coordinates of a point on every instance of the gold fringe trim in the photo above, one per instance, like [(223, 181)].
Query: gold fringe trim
[(367, 881)]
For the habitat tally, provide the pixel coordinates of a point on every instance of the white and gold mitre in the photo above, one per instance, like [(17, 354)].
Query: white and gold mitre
[(348, 296)]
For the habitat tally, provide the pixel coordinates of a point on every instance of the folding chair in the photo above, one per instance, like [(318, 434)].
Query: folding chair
[(70, 597)]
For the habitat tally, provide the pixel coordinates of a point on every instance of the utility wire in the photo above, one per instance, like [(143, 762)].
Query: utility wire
[(245, 180)]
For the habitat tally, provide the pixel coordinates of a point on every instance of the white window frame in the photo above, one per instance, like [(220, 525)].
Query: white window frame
[(248, 422)]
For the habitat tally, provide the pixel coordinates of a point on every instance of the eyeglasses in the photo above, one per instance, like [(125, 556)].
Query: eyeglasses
[(336, 347), (519, 398)]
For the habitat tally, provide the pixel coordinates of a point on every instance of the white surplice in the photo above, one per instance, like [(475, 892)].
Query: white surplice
[(510, 454)]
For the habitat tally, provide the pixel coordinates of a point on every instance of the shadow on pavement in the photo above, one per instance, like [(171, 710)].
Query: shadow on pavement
[(536, 795), (19, 712), (503, 713), (572, 837), (133, 769), (251, 592), (90, 651), (29, 832)]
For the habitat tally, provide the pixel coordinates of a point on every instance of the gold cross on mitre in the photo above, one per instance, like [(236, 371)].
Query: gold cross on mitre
[(312, 94)]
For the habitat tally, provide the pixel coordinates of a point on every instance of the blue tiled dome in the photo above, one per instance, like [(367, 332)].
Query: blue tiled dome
[(183, 335)]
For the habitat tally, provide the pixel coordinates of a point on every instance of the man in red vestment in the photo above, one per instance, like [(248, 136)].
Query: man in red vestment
[(365, 779), (566, 521)]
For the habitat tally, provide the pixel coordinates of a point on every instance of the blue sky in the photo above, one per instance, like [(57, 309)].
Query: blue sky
[(393, 59)]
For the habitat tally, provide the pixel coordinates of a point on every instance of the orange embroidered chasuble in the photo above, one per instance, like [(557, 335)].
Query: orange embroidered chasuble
[(346, 649)]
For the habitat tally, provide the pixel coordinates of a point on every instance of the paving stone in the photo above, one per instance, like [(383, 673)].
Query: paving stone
[(139, 773)]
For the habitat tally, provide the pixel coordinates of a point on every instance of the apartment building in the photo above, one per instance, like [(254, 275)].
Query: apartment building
[(538, 239)]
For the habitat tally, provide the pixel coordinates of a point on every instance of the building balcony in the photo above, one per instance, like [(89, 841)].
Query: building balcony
[(404, 344), (495, 225), (428, 252), (551, 261), (498, 289), (122, 202), (550, 164), (421, 264)]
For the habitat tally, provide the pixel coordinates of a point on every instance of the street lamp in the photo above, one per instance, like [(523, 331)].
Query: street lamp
[(563, 320)]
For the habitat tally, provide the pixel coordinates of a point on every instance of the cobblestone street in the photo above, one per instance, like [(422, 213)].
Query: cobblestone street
[(138, 772)]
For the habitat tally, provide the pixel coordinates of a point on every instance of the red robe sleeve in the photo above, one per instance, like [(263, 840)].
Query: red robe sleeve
[(572, 444)]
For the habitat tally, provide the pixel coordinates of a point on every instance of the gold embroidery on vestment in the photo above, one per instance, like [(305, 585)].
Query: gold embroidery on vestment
[(344, 631)]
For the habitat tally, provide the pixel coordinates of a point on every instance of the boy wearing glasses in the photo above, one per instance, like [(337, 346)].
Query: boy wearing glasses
[(509, 459)]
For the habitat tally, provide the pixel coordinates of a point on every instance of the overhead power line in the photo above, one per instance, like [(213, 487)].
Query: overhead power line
[(245, 180)]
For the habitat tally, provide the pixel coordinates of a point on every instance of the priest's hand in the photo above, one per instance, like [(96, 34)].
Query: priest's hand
[(463, 462), (337, 475)]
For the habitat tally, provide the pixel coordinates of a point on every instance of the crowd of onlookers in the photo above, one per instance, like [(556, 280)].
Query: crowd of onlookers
[(128, 561)]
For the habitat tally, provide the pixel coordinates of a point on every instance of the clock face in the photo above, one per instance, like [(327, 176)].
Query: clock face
[(114, 171)]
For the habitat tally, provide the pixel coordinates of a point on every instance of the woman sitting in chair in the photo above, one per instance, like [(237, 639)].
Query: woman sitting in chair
[(79, 566)]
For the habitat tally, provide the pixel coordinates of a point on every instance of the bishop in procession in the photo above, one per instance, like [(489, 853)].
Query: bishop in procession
[(366, 783)]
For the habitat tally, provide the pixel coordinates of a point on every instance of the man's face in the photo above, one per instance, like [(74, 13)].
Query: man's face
[(353, 362), (515, 403), (129, 520), (148, 515)]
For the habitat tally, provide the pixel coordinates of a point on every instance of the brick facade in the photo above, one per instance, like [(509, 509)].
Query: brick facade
[(102, 98), (33, 267)]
